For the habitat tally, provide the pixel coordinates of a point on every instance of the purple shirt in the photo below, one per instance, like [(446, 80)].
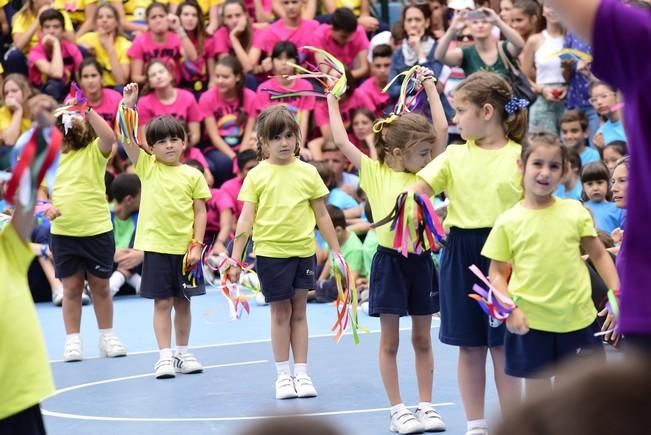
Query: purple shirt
[(622, 34)]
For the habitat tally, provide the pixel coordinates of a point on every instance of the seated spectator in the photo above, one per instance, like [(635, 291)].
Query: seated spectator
[(236, 35), (104, 101), (81, 13), (230, 112), (54, 60), (125, 190), (597, 197), (345, 40), (574, 134), (195, 74), (165, 40), (25, 29), (372, 88), (208, 11), (570, 186), (164, 98), (362, 131), (108, 46), (15, 118), (246, 160)]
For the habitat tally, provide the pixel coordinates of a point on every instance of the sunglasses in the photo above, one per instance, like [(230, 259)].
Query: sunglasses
[(462, 38)]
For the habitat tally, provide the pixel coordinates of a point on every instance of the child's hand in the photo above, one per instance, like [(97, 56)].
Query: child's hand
[(610, 324), (517, 323), (52, 212), (174, 22), (194, 256), (130, 95), (49, 41), (617, 234)]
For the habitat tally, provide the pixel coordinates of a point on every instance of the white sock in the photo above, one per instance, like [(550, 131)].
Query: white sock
[(398, 407), (300, 369), (477, 424), (282, 368), (108, 331), (425, 405), (73, 336), (166, 353), (115, 282), (181, 349), (134, 281)]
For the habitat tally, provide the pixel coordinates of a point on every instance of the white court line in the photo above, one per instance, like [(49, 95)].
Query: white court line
[(237, 343), (199, 419)]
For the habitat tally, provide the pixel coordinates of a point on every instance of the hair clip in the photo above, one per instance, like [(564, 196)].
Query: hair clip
[(379, 124), (515, 104)]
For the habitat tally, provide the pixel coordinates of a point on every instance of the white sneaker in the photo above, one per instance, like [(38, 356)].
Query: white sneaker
[(110, 346), (72, 350), (186, 363), (285, 388), (304, 387), (164, 369), (478, 431), (431, 420), (405, 422), (57, 296)]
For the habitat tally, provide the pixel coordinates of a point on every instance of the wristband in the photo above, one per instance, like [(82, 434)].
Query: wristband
[(195, 242)]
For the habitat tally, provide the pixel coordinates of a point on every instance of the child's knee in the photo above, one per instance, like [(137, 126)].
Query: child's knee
[(163, 304), (422, 342)]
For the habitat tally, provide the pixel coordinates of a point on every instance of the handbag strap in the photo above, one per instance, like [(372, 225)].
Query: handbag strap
[(505, 58)]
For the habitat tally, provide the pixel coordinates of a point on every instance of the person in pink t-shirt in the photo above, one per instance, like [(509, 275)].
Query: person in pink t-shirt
[(292, 27), (165, 99), (229, 110), (195, 75), (246, 160), (284, 53), (160, 43), (346, 40), (262, 13), (103, 100), (53, 61), (372, 87), (236, 36)]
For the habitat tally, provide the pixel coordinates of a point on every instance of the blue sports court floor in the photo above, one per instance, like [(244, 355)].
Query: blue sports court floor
[(121, 396)]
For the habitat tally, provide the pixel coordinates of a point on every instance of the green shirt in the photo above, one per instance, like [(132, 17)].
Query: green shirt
[(352, 252), (370, 247), (123, 231), (472, 62)]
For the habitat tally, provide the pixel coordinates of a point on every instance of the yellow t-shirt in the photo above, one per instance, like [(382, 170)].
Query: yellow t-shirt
[(22, 21), (354, 5), (382, 186), (166, 219), (550, 281), (25, 375), (3, 3), (75, 8), (284, 221), (91, 41), (135, 10), (5, 120), (79, 193), (480, 183)]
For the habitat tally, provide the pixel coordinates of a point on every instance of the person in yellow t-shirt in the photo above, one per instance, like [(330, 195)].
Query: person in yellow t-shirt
[(108, 46), (14, 113), (81, 238), (283, 200), (541, 236), (25, 374), (171, 230), (482, 180), (81, 13), (400, 285)]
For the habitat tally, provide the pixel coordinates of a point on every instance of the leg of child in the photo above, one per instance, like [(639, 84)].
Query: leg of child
[(508, 387), (298, 327), (163, 322), (102, 301), (48, 271), (472, 380), (73, 286), (421, 340), (281, 313), (389, 341), (182, 321)]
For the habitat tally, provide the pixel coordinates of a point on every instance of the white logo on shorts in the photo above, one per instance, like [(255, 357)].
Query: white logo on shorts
[(309, 272)]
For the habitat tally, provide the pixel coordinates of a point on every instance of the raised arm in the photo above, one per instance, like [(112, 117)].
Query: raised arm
[(339, 134), (439, 121), (129, 99), (516, 43), (104, 131), (578, 15), (442, 53)]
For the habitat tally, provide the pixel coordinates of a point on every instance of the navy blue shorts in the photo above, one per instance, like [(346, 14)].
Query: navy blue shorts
[(463, 323), (527, 356), (91, 254), (280, 277), (162, 277), (402, 286)]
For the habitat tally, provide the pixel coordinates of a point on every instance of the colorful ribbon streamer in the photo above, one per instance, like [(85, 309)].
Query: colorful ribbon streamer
[(417, 227), (493, 302), (346, 303), (193, 274), (238, 302), (39, 154), (333, 84)]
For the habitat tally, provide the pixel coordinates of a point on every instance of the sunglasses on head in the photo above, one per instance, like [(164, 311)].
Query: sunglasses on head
[(462, 38)]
